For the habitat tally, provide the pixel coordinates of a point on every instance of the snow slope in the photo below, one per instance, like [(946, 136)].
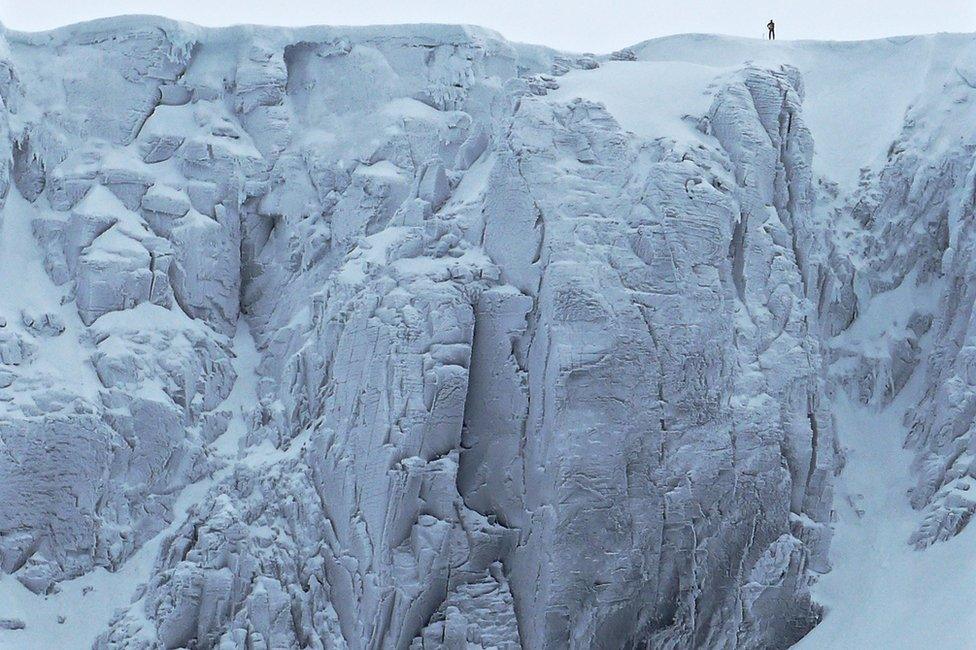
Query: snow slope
[(412, 337), (651, 99), (857, 93), (881, 591)]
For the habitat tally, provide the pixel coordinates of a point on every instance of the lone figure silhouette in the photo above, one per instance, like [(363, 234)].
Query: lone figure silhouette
[(771, 26)]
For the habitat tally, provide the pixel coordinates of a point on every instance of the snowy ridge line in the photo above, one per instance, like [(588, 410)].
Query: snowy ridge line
[(141, 21), (433, 33)]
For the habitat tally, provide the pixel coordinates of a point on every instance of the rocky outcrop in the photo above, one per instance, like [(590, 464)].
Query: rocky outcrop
[(940, 200)]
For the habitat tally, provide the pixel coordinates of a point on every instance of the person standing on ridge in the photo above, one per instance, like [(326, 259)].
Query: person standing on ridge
[(771, 26)]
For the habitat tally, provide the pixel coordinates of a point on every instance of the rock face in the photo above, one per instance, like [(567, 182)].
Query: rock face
[(366, 339), (934, 226)]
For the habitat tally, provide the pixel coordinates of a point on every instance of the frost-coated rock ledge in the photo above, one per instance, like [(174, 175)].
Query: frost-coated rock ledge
[(400, 338)]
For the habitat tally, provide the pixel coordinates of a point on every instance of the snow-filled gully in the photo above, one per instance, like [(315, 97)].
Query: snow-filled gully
[(881, 592)]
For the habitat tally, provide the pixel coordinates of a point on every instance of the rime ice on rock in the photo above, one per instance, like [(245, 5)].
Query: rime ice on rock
[(525, 378)]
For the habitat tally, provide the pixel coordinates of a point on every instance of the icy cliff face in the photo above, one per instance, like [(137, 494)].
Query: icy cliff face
[(411, 337), (894, 165)]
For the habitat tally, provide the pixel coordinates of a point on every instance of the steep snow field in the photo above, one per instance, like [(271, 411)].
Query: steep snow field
[(650, 98), (881, 592), (411, 337), (857, 92)]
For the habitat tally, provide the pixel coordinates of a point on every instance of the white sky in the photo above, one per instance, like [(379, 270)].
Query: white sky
[(581, 25)]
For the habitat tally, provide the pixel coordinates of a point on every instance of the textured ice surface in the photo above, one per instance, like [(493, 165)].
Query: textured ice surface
[(412, 337)]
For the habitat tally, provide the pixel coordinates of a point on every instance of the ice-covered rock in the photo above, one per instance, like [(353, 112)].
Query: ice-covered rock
[(520, 368), (546, 344)]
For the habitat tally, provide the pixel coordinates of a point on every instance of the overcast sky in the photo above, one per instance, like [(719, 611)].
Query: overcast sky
[(595, 26)]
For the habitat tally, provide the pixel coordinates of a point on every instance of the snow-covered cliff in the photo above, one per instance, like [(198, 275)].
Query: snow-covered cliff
[(411, 337)]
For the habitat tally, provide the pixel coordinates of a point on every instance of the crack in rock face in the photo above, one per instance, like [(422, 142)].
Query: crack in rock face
[(407, 337)]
